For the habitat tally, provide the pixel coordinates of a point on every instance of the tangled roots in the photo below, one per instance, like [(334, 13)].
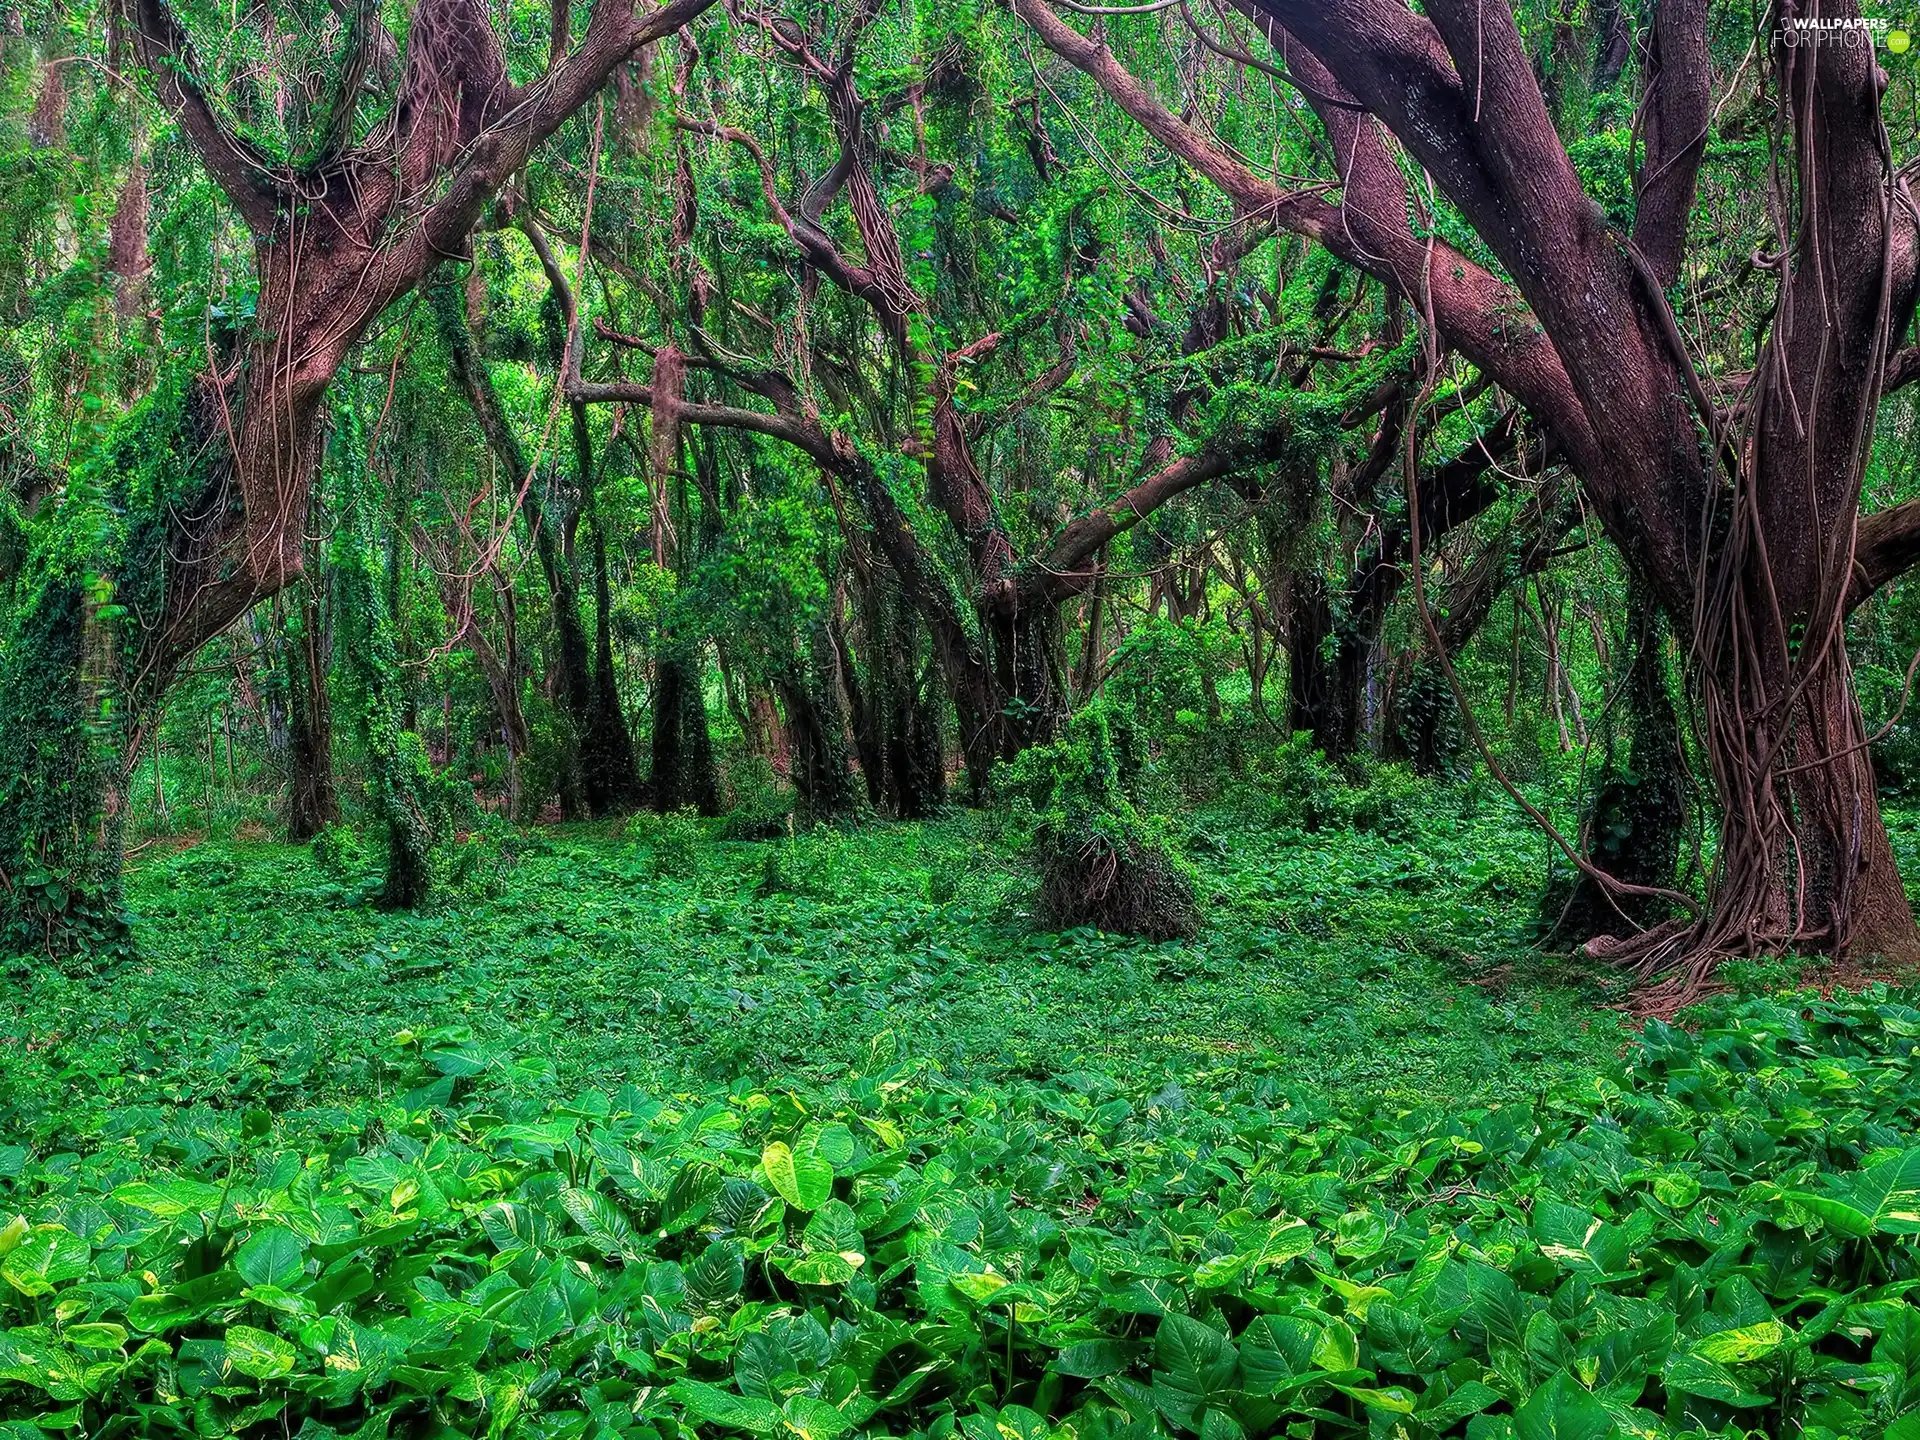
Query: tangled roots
[(1129, 886)]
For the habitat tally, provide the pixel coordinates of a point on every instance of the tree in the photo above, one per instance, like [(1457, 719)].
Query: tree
[(1741, 516), (215, 472)]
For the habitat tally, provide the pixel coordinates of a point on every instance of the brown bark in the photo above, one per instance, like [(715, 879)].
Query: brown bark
[(312, 802), (329, 260), (1764, 594), (47, 124), (127, 258)]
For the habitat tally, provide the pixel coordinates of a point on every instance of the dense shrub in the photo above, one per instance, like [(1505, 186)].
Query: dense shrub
[(673, 842), (1310, 794), (340, 852), (1102, 863), (762, 807)]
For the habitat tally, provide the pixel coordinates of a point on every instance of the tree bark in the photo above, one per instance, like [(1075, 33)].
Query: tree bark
[(333, 248), (1634, 822), (312, 801), (683, 774), (1749, 541)]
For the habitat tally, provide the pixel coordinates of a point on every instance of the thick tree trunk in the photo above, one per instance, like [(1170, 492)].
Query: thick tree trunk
[(127, 257), (400, 779), (816, 730), (896, 723), (1029, 672), (683, 774), (1326, 669), (1803, 861), (312, 803), (62, 728), (1846, 877), (606, 747), (916, 749)]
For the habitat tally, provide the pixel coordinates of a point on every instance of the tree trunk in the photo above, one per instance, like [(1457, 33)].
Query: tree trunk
[(1326, 669), (896, 723), (571, 671), (683, 774), (606, 747), (400, 779), (816, 730), (312, 803), (62, 727)]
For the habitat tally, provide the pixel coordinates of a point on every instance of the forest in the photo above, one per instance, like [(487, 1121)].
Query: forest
[(959, 719)]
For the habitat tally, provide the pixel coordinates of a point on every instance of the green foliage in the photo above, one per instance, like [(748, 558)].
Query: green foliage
[(812, 867), (1102, 862), (1366, 796), (64, 651), (762, 807), (1720, 1228), (673, 842), (1890, 717), (339, 852), (415, 804)]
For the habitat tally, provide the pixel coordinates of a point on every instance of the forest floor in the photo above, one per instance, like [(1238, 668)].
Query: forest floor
[(1351, 963), (654, 1128)]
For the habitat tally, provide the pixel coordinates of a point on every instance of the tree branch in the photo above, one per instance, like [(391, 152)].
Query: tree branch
[(244, 172), (1679, 109), (1886, 546)]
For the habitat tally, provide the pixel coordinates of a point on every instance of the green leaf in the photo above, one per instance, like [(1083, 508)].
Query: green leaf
[(1338, 1348), (816, 1269), (1744, 1344), (47, 1257), (258, 1353), (1469, 1399), (833, 1143), (813, 1419), (1096, 1359), (722, 1407), (803, 1179), (95, 1335), (1562, 1410), (1285, 1241), (1395, 1399), (1193, 1357), (690, 1195), (1883, 1198), (271, 1257), (979, 1288), (603, 1223), (1679, 1191), (1694, 1374), (169, 1198), (717, 1274)]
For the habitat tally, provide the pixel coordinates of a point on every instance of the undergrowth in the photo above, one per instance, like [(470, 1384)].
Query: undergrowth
[(663, 1135)]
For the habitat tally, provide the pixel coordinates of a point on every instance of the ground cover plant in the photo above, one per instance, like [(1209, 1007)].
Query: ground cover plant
[(821, 1182), (966, 719)]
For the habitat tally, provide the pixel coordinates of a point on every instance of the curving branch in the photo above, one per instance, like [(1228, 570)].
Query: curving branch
[(1678, 113), (245, 173), (1886, 546), (1477, 313), (815, 245)]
